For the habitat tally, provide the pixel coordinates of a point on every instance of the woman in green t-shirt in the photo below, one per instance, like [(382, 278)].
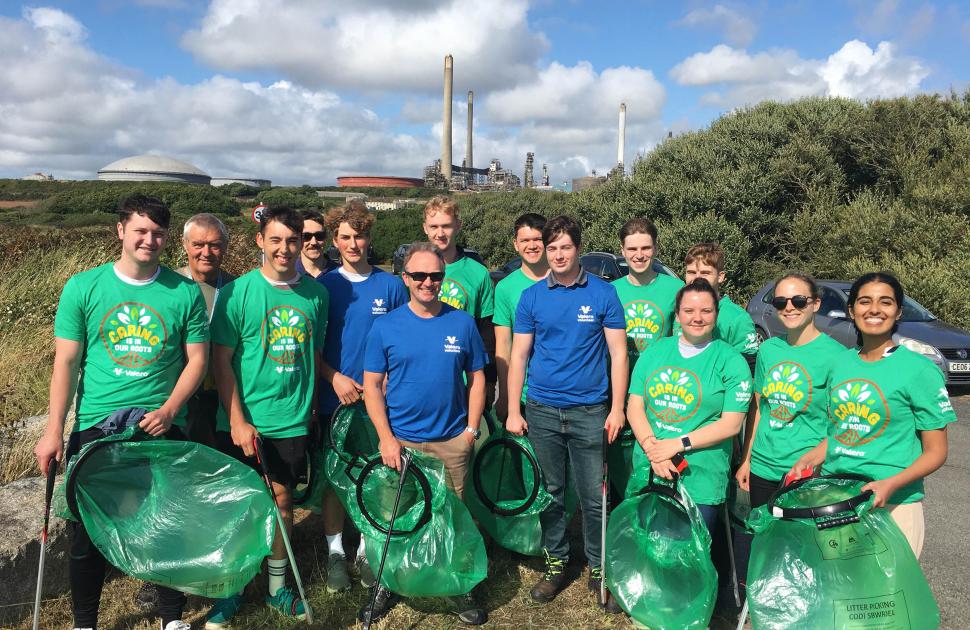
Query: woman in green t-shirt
[(689, 395), (879, 381)]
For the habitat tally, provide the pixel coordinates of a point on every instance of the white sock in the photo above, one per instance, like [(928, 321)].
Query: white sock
[(277, 574), (335, 544), (360, 549)]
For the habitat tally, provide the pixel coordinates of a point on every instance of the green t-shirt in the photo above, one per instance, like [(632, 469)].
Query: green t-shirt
[(133, 338), (681, 394), (649, 311), (467, 286), (793, 383), (875, 411), (734, 326), (274, 333), (507, 293)]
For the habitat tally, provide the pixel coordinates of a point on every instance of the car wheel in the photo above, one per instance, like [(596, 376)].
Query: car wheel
[(762, 335)]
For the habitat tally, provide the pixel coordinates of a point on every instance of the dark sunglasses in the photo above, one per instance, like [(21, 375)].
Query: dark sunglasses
[(421, 276), (320, 236), (798, 301)]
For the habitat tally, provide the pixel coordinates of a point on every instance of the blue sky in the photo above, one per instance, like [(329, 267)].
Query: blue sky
[(301, 91)]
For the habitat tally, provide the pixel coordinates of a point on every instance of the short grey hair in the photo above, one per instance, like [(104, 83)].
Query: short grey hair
[(423, 247), (206, 220)]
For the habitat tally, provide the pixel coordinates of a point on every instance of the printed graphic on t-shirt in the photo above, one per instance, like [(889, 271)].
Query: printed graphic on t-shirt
[(788, 392), (285, 333), (134, 335), (585, 314), (644, 322), (378, 306), (453, 294), (451, 344), (673, 395), (859, 410)]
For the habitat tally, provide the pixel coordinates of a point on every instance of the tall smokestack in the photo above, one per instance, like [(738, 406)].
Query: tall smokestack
[(468, 132), (622, 139), (446, 120)]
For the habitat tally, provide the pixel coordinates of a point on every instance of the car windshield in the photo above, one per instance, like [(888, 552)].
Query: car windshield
[(913, 311)]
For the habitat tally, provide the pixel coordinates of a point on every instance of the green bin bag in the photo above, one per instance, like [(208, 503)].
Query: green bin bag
[(505, 493), (620, 460), (658, 559), (847, 567), (308, 493), (352, 442), (172, 512)]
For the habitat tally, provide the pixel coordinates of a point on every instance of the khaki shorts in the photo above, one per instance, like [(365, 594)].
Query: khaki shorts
[(909, 517), (454, 454)]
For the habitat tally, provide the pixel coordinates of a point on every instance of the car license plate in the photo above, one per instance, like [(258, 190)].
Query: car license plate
[(960, 367)]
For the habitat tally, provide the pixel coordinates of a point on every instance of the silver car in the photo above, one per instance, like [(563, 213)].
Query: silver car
[(919, 330)]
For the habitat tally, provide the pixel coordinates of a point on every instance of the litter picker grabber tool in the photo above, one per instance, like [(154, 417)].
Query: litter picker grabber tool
[(405, 464), (604, 508), (282, 525), (48, 494), (726, 517)]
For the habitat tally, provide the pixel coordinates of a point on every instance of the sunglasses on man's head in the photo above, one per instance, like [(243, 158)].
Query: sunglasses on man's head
[(798, 301), (421, 276), (320, 236)]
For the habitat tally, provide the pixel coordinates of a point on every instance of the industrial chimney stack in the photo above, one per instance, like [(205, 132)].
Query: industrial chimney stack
[(468, 132), (622, 138), (446, 121)]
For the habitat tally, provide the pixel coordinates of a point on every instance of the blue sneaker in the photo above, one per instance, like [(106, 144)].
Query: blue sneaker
[(222, 611), (287, 602)]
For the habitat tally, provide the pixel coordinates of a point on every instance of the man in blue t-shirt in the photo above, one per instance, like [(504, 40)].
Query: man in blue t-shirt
[(360, 294), (423, 349), (573, 327)]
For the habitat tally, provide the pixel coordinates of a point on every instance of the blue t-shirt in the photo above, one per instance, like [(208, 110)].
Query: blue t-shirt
[(354, 307), (569, 362), (425, 360)]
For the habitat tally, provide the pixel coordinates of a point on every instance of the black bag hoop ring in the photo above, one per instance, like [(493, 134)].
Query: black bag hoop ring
[(477, 478), (422, 480), (847, 505), (70, 484), (667, 491)]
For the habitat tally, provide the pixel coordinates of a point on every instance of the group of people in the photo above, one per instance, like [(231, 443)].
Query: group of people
[(567, 359)]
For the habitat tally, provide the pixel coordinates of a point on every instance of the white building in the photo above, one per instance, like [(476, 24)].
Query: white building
[(152, 168)]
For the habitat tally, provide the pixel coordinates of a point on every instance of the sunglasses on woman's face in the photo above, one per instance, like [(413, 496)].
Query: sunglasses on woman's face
[(421, 276), (798, 301)]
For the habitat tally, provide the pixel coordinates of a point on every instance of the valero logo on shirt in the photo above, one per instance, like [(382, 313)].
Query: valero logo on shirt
[(787, 390), (285, 331), (134, 336), (585, 314), (644, 322), (451, 344), (378, 307), (453, 294), (673, 394), (860, 413)]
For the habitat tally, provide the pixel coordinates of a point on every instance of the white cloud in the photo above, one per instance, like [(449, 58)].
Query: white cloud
[(383, 46), (855, 71), (736, 28)]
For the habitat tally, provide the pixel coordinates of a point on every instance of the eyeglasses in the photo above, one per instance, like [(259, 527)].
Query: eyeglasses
[(309, 236), (798, 301), (421, 276)]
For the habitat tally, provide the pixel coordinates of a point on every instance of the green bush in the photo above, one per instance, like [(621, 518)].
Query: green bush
[(394, 227)]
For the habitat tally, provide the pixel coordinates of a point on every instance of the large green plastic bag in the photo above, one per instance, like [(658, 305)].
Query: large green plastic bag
[(309, 495), (658, 559), (435, 548), (172, 512), (858, 575), (505, 493), (353, 441), (620, 460)]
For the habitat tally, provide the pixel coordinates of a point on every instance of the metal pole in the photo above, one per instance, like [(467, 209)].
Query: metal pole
[(603, 510), (49, 493)]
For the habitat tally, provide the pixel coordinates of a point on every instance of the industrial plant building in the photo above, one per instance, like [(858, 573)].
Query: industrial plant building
[(246, 181), (153, 168), (378, 181)]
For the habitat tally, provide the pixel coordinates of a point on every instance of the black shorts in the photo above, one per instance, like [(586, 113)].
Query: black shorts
[(285, 457)]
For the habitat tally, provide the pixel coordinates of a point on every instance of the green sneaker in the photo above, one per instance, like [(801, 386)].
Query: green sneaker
[(287, 603), (222, 611)]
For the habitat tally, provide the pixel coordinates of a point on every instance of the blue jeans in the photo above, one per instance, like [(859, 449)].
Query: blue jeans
[(709, 514), (564, 439)]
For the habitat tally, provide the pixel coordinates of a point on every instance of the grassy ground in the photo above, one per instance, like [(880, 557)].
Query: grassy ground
[(505, 593)]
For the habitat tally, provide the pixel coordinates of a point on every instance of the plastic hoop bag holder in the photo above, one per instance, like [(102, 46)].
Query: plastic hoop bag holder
[(658, 562), (308, 494), (172, 512), (823, 558)]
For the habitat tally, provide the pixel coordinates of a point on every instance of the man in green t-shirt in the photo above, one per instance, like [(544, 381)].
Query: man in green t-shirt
[(467, 285), (128, 334), (527, 241), (734, 325), (268, 331)]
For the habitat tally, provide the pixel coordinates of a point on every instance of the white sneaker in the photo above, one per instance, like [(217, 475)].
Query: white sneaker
[(178, 624)]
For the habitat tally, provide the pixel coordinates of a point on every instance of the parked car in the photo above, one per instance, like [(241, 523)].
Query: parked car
[(605, 265), (919, 330), (333, 254), (397, 260)]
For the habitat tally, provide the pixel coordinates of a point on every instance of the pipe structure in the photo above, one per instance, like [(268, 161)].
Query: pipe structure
[(468, 132), (622, 134), (446, 120)]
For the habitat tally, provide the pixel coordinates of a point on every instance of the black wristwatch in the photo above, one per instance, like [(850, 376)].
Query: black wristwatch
[(685, 442)]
